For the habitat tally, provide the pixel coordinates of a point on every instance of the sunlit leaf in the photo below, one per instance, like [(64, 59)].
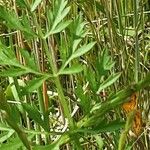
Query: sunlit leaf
[(109, 81), (33, 85), (72, 70), (13, 72), (82, 50), (59, 28), (35, 4)]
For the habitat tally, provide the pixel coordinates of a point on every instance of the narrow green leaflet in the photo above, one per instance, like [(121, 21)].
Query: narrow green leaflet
[(82, 50), (11, 19), (59, 28), (33, 85), (59, 14), (109, 81), (29, 59), (34, 114), (104, 127), (84, 100), (13, 72), (7, 136), (77, 29), (35, 4), (72, 70)]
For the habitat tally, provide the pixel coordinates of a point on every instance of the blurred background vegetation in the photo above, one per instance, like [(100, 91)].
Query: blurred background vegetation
[(74, 74)]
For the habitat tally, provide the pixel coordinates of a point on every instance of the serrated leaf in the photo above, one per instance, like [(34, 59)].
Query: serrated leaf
[(72, 70), (33, 85), (59, 28), (28, 31), (30, 62), (91, 78), (110, 127), (13, 72), (59, 13), (82, 50), (11, 18), (35, 4), (84, 100), (104, 127), (109, 81), (34, 114)]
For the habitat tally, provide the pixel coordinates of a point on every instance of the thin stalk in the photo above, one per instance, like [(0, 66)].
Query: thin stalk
[(62, 99), (136, 40), (128, 125)]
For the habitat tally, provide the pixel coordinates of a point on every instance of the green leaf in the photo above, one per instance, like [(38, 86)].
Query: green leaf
[(82, 50), (84, 102), (72, 70), (77, 32), (33, 85), (59, 13), (104, 63), (29, 59), (100, 7), (15, 143), (109, 81), (104, 127), (6, 136), (28, 31), (13, 72), (55, 145), (14, 113), (109, 127), (10, 18), (99, 141), (59, 28), (47, 147), (35, 4), (21, 3), (91, 78), (4, 127), (7, 56), (34, 114)]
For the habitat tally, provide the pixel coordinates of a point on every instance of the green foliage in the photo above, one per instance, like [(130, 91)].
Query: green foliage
[(65, 69), (57, 15), (33, 85), (111, 79), (35, 115)]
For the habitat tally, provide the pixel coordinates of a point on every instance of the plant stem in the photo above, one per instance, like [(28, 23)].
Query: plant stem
[(51, 59)]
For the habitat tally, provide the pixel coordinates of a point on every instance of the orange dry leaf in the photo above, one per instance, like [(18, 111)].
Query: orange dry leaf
[(132, 104), (137, 123)]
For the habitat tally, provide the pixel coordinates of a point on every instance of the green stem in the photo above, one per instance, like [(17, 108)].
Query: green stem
[(128, 125), (136, 40), (51, 59)]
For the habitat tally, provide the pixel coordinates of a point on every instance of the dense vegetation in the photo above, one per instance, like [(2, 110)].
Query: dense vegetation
[(74, 74)]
